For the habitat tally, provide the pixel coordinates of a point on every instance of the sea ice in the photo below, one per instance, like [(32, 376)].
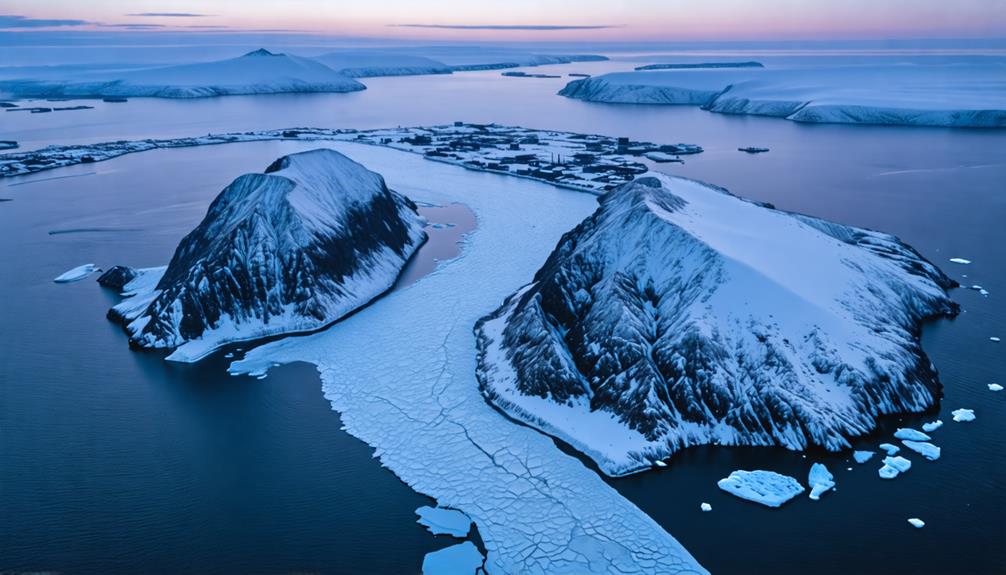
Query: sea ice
[(927, 450), (932, 425), (912, 434), (766, 487), (960, 261), (995, 387), (440, 521), (963, 415), (995, 339), (820, 480), (893, 466), (76, 274), (463, 558), (890, 448), (917, 523), (401, 373), (862, 456), (706, 507)]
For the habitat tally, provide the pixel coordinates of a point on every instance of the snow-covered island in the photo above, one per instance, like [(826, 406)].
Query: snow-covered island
[(257, 72), (969, 94), (290, 250), (679, 314)]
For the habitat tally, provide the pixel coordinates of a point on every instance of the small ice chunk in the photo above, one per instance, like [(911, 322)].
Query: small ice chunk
[(963, 415), (862, 456), (960, 261), (659, 463), (820, 480), (995, 387), (894, 466), (925, 449), (460, 558), (76, 274), (706, 507), (441, 521), (995, 339), (765, 487), (932, 425), (890, 448), (917, 523), (911, 434)]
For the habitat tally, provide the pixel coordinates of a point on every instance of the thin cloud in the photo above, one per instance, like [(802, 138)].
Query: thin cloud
[(169, 15), (537, 27), (14, 21)]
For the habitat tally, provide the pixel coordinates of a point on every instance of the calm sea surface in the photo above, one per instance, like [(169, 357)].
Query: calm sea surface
[(115, 461)]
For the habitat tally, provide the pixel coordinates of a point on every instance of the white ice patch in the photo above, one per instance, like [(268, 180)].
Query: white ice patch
[(995, 387), (706, 507), (461, 559), (890, 448), (925, 449), (820, 480), (960, 261), (893, 466), (917, 523), (766, 487), (440, 521), (963, 415), (862, 456), (76, 274), (932, 426), (911, 434)]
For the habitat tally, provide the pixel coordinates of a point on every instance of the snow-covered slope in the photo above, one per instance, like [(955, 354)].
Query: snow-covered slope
[(258, 72), (468, 58), (313, 238), (370, 63), (953, 95), (679, 314)]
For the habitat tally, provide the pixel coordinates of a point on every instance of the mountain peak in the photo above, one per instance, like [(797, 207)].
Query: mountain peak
[(261, 52)]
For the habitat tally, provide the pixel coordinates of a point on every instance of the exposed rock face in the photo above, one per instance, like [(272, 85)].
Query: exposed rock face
[(117, 277), (293, 249), (678, 315)]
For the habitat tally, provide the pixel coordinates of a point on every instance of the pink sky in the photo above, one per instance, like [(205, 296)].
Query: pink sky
[(609, 20)]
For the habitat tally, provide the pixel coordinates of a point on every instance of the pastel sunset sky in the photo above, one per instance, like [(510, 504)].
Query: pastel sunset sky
[(565, 20)]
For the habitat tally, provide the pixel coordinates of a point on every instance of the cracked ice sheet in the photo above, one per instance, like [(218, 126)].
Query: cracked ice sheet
[(402, 374)]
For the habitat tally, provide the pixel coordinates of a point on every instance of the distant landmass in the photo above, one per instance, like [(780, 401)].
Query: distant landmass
[(701, 65)]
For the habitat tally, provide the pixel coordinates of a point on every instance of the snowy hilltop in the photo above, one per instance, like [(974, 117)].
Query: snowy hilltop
[(258, 72), (371, 63), (679, 314), (952, 95), (312, 239)]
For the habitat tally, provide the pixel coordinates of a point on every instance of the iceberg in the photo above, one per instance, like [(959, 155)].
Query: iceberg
[(911, 434), (76, 274), (706, 507), (820, 480), (890, 448), (932, 426), (463, 558), (401, 373), (258, 72), (923, 448), (766, 487), (917, 523), (679, 314), (995, 339), (893, 466), (440, 521), (290, 250), (995, 387), (862, 456), (963, 415), (947, 95), (960, 261)]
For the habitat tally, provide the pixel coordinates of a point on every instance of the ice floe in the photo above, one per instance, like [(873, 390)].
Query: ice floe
[(890, 448), (995, 387), (766, 487), (820, 480), (706, 507), (463, 558), (912, 434), (862, 456), (932, 425), (76, 274), (440, 521), (960, 261), (963, 415), (926, 449), (995, 339), (917, 523), (893, 466)]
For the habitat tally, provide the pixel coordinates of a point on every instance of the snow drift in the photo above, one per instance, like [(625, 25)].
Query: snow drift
[(679, 314), (291, 250)]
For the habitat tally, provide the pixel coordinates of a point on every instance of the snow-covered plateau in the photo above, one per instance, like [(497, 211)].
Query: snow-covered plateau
[(679, 314), (290, 250), (969, 95), (402, 375), (258, 72)]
